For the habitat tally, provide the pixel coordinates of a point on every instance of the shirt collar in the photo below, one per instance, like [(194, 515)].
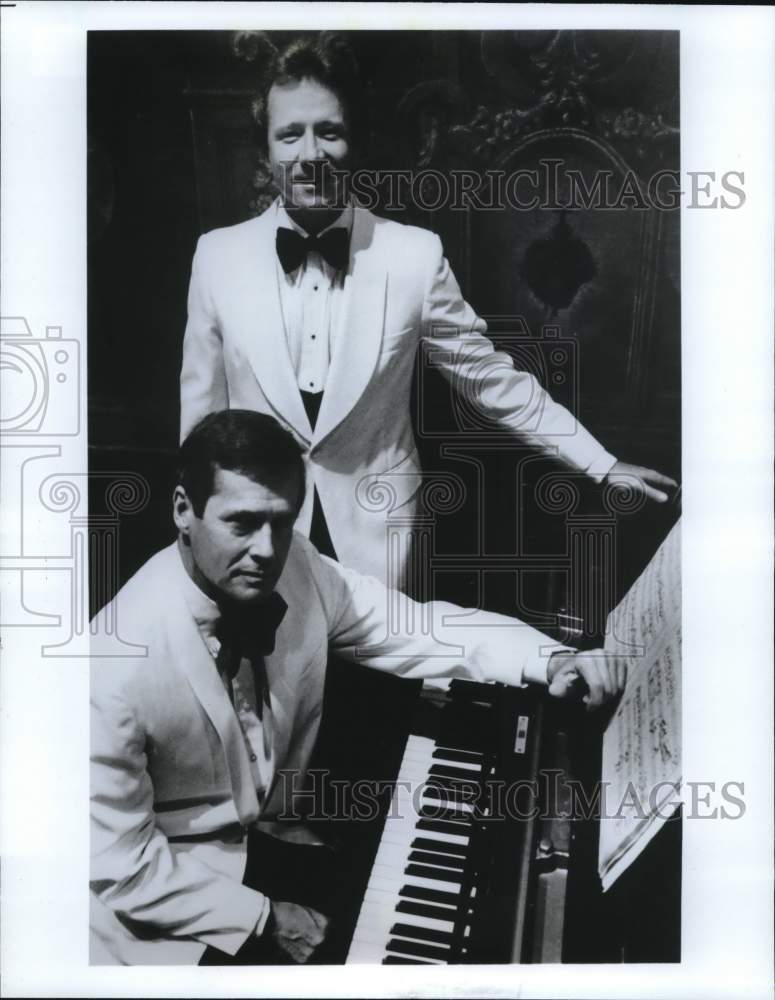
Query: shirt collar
[(343, 221), (204, 610)]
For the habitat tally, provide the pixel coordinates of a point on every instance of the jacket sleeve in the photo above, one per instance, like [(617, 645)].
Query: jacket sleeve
[(385, 629), (490, 384), (134, 870), (203, 386)]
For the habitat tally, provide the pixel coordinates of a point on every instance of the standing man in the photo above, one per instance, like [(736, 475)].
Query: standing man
[(191, 739), (314, 312)]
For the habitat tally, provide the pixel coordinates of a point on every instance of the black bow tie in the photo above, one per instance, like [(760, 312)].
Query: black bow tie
[(251, 632), (292, 248)]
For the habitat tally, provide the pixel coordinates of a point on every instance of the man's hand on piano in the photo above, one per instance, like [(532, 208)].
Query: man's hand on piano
[(297, 930), (647, 482), (603, 676)]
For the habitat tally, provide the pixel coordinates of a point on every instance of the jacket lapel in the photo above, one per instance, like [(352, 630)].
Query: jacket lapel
[(202, 676), (360, 337), (263, 330)]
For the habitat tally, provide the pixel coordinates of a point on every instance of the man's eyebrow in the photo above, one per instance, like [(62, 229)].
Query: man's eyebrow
[(242, 515), (324, 123), (251, 515)]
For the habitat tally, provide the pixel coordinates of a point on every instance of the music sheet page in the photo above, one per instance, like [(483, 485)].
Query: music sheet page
[(641, 772)]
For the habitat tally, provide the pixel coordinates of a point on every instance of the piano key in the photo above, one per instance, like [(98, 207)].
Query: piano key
[(410, 891), (398, 960), (440, 826), (454, 843), (463, 771), (439, 812), (463, 756), (412, 931), (389, 897), (444, 885), (441, 875), (416, 950), (392, 854), (378, 932), (371, 935), (435, 798), (372, 914), (466, 790), (380, 882), (444, 843), (427, 911), (439, 860)]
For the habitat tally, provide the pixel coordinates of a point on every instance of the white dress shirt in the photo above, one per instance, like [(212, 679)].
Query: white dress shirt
[(312, 299), (256, 729)]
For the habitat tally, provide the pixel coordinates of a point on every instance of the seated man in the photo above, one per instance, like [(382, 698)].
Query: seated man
[(189, 739)]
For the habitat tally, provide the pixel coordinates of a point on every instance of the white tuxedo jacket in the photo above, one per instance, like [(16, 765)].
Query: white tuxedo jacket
[(169, 767), (398, 291)]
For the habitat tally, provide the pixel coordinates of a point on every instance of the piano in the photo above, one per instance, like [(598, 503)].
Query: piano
[(475, 856), (436, 892)]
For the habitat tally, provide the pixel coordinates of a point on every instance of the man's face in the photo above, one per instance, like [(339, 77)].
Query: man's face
[(306, 126), (240, 544)]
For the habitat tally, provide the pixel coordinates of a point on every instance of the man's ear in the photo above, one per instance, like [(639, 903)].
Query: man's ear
[(182, 511)]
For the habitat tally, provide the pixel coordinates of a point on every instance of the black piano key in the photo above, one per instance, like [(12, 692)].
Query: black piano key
[(440, 874), (439, 800), (422, 933), (442, 826), (430, 895), (440, 846), (447, 771), (416, 909), (447, 790), (465, 791), (444, 860), (464, 756), (398, 960), (416, 949), (458, 817)]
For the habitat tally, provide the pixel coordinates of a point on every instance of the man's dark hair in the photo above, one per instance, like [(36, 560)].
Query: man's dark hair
[(243, 441), (323, 56)]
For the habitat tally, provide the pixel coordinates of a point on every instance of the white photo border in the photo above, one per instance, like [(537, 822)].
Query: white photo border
[(727, 114)]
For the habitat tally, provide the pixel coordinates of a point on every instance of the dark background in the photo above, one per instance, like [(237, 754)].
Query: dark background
[(172, 154)]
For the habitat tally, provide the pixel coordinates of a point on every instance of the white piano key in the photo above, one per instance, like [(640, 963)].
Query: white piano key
[(463, 765), (453, 839), (383, 896), (392, 855), (376, 916), (445, 802), (442, 748), (431, 883)]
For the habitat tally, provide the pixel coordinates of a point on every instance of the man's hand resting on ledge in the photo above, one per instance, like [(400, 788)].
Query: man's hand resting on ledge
[(297, 930), (646, 482), (603, 675)]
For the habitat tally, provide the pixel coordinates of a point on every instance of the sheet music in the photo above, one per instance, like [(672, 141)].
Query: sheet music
[(641, 771)]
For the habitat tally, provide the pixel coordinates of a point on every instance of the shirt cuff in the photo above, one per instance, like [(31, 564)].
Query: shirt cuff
[(261, 922), (601, 466), (536, 668), (249, 908)]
